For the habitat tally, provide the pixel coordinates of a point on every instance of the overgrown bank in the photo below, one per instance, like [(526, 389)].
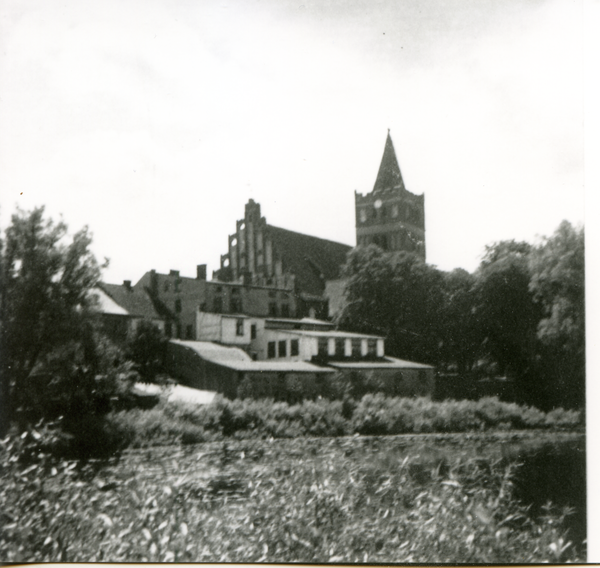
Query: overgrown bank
[(170, 423), (347, 500)]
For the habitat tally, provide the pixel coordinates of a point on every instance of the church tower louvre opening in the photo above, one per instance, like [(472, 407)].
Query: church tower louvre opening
[(390, 216)]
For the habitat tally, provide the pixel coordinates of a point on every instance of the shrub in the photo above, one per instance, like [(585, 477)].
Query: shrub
[(147, 349)]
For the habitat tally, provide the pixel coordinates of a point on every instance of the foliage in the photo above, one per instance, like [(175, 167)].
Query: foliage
[(147, 348), (521, 315), (460, 340), (505, 310), (558, 284), (375, 414), (349, 501), (54, 362), (396, 295)]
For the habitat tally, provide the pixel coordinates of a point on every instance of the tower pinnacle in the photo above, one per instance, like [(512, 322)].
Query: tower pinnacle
[(389, 171)]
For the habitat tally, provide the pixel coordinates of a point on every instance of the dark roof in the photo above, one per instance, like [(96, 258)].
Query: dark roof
[(312, 260), (389, 171), (136, 302)]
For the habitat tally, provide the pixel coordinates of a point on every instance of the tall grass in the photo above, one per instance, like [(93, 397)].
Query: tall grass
[(253, 501)]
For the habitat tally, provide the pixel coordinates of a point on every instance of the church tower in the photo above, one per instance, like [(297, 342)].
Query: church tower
[(391, 216)]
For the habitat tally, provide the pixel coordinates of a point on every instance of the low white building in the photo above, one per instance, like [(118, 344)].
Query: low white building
[(293, 349), (287, 339)]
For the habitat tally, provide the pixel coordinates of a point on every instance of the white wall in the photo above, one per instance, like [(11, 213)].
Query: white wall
[(221, 329)]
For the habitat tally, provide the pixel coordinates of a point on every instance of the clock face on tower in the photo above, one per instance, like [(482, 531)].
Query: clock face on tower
[(378, 204)]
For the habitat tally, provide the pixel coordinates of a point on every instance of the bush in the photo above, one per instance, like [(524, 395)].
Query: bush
[(375, 414), (147, 349)]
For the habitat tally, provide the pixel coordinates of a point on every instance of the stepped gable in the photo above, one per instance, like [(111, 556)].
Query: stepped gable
[(389, 174), (311, 259), (136, 302)]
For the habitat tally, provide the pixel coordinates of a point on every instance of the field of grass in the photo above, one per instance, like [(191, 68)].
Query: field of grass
[(423, 498)]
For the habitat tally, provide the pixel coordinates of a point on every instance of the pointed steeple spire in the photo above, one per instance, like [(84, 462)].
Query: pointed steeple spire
[(389, 171)]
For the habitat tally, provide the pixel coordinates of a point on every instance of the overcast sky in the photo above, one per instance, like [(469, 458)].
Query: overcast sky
[(154, 122)]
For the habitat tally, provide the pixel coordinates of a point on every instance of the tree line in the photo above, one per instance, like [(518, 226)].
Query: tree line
[(520, 315)]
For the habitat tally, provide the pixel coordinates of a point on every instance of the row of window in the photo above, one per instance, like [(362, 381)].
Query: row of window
[(280, 348), (176, 331), (387, 211), (390, 241), (346, 347)]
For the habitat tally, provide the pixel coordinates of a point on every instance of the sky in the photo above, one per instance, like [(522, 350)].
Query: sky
[(154, 121)]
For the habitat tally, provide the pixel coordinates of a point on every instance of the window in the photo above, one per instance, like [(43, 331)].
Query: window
[(218, 304), (282, 348), (168, 329), (239, 327), (271, 350), (177, 284), (285, 310), (340, 346), (355, 347), (236, 305), (362, 215), (273, 309), (372, 347), (189, 332), (178, 306), (294, 347), (322, 346), (253, 331)]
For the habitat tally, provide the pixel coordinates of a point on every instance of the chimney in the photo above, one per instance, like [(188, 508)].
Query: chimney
[(127, 285), (153, 281), (174, 273), (201, 272)]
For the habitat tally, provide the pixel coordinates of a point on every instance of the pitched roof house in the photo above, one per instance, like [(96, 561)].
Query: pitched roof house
[(121, 308)]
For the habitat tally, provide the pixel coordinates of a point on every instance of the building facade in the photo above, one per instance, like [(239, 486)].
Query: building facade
[(390, 216), (260, 254), (179, 298)]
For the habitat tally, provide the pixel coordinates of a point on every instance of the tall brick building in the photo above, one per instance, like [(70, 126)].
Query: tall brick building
[(263, 255), (391, 216)]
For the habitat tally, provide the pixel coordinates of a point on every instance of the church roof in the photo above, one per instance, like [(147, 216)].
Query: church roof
[(312, 260), (389, 171)]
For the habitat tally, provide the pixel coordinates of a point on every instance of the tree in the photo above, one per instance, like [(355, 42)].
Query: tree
[(396, 295), (147, 349), (45, 308), (460, 338), (557, 283), (505, 312)]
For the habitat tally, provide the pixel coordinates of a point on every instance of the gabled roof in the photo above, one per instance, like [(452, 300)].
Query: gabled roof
[(137, 303), (389, 171), (312, 260), (105, 304)]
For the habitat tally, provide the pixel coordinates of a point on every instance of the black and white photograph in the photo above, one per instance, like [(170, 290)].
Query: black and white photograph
[(295, 281)]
